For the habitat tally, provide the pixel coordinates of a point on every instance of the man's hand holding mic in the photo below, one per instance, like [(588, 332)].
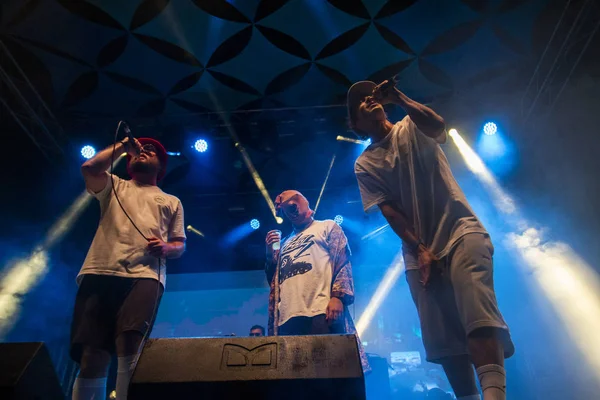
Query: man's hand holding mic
[(386, 93), (131, 146), (272, 240), (424, 117)]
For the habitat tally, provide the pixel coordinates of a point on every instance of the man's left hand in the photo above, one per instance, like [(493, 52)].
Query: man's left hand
[(157, 247), (335, 310)]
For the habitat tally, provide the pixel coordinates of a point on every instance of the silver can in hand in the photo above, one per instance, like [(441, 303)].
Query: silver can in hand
[(277, 245)]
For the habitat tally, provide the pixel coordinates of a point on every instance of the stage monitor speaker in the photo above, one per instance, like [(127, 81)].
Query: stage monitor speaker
[(268, 367), (26, 372)]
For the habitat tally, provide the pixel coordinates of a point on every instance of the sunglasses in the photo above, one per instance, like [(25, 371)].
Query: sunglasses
[(149, 148)]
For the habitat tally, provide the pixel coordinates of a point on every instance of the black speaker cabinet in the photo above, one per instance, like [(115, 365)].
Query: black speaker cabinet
[(270, 367), (27, 373)]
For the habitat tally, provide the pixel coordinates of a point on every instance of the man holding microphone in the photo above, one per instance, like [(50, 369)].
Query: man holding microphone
[(310, 274), (123, 276), (447, 251)]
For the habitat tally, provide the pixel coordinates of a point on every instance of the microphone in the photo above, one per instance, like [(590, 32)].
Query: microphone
[(190, 228), (130, 135), (391, 82), (126, 129), (347, 139)]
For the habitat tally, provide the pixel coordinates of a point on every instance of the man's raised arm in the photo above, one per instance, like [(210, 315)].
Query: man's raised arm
[(427, 120), (94, 169)]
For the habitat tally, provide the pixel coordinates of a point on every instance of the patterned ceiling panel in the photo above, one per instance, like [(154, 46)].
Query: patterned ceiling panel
[(159, 57), (63, 31), (420, 25), (312, 23), (306, 94)]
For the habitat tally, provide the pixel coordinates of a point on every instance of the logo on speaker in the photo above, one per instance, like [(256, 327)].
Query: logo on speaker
[(236, 356)]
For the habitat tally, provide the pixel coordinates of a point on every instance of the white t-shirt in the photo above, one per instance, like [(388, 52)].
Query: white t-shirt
[(306, 272), (410, 169), (118, 249)]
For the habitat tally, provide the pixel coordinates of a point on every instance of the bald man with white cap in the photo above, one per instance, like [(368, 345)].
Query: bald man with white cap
[(310, 275), (447, 251)]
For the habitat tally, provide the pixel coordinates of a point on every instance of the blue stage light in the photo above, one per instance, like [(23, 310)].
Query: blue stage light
[(338, 219), (201, 145), (496, 150), (490, 128), (255, 224), (88, 152)]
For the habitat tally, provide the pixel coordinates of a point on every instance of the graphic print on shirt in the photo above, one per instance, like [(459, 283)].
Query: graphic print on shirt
[(293, 252)]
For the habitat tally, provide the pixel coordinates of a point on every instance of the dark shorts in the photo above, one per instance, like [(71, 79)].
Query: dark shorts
[(107, 306), (459, 301), (316, 325)]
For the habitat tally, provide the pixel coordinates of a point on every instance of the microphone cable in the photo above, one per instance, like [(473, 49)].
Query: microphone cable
[(112, 181)]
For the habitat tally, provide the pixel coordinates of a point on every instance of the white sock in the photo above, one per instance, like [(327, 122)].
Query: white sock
[(125, 367), (470, 397), (492, 378), (89, 389)]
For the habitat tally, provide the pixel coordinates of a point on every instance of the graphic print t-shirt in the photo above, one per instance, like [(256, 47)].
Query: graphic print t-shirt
[(305, 272), (118, 249)]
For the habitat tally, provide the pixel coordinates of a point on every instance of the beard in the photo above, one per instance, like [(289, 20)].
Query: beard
[(298, 216), (293, 213), (145, 168)]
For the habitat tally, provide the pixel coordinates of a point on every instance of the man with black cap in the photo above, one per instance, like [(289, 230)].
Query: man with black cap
[(447, 251), (310, 275), (123, 276)]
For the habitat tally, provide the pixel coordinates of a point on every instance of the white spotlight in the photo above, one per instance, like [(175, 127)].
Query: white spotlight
[(201, 145)]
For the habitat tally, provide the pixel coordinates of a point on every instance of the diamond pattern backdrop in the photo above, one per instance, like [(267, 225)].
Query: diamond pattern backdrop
[(161, 63), (154, 57)]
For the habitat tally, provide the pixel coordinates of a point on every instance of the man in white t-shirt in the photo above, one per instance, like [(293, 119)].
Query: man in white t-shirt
[(447, 251), (123, 276), (310, 275)]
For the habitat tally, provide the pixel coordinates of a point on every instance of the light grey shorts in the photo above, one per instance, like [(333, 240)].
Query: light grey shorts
[(459, 301)]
